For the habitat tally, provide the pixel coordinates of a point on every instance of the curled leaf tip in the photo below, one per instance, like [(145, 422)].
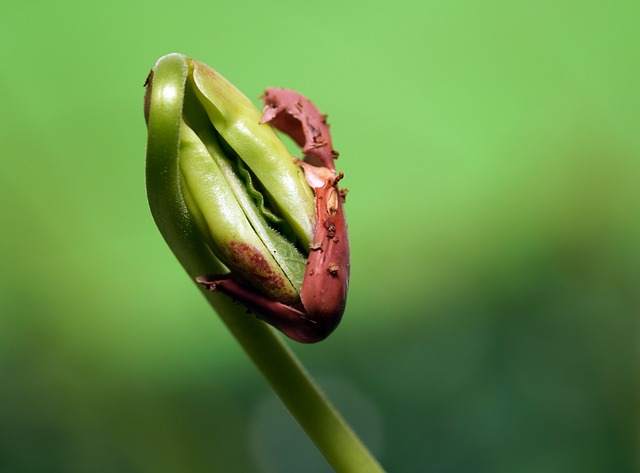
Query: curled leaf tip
[(294, 114)]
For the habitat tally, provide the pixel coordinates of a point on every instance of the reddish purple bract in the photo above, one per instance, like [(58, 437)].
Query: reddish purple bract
[(326, 281)]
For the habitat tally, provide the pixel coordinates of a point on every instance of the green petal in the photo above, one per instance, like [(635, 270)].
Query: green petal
[(214, 205), (237, 120)]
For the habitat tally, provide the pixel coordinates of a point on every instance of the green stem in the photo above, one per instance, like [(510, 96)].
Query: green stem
[(288, 378)]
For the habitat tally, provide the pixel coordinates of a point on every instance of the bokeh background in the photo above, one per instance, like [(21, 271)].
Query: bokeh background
[(492, 154)]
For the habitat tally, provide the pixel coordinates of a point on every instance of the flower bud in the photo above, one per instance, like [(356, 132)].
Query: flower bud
[(221, 183), (248, 198)]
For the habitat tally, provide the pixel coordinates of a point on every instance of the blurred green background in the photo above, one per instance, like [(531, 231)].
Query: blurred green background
[(492, 154)]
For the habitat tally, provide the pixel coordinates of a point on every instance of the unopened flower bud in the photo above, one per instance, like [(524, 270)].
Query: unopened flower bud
[(274, 221)]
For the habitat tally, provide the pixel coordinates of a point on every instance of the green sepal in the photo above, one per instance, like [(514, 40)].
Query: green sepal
[(231, 224), (237, 120)]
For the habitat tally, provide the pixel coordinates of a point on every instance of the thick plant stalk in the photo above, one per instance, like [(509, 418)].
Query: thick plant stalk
[(320, 420)]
